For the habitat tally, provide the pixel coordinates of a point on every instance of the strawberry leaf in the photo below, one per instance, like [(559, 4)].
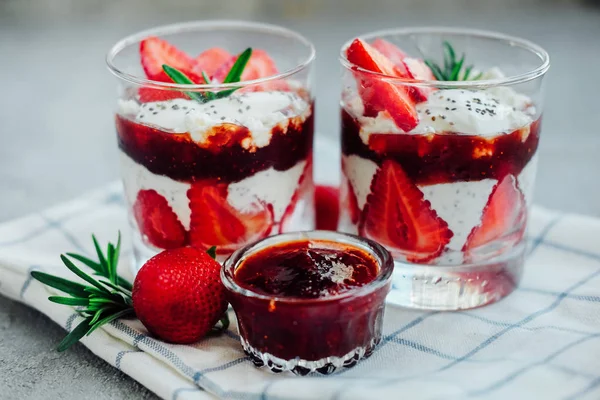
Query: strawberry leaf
[(212, 252), (221, 325)]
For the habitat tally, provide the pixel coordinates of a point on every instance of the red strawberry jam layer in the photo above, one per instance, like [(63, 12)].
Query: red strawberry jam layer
[(315, 301), (446, 156), (306, 270), (221, 157)]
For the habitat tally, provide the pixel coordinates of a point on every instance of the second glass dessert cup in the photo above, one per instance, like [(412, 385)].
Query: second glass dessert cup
[(214, 161), (439, 158)]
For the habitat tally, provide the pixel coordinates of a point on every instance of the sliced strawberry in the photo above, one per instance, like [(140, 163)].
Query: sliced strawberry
[(157, 221), (260, 65), (377, 94), (503, 215), (348, 200), (418, 70), (223, 70), (305, 186), (392, 52), (411, 68), (214, 222), (397, 216), (147, 95), (327, 207), (353, 205), (155, 52), (210, 60)]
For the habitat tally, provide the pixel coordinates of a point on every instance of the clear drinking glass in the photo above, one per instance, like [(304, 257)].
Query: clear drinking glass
[(303, 335), (223, 172), (448, 191)]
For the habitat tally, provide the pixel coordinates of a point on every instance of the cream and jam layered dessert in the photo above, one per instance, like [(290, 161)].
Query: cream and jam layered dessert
[(439, 174), (215, 167)]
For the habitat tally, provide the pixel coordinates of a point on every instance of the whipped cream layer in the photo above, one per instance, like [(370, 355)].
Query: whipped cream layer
[(260, 112), (468, 112), (488, 112), (460, 204), (269, 186)]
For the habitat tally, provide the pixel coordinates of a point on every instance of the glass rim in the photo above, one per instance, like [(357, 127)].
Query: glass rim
[(381, 255), (512, 41), (205, 25)]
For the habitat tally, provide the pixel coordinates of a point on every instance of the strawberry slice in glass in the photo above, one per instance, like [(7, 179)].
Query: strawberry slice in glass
[(155, 52), (210, 60), (157, 221), (392, 52), (214, 222), (397, 216), (408, 67), (503, 217), (377, 94), (260, 65)]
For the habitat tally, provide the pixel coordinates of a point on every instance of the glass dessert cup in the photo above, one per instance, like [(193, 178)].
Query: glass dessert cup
[(441, 172), (214, 164), (309, 301)]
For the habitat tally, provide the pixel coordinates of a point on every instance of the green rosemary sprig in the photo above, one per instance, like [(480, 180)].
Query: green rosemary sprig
[(233, 76), (451, 71), (101, 300)]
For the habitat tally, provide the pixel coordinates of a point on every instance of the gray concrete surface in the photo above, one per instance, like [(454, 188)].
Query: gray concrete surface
[(58, 140)]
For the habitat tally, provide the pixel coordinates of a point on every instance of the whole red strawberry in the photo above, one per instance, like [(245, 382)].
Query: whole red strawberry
[(178, 295)]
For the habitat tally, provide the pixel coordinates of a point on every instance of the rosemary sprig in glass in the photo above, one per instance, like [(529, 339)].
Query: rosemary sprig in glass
[(452, 69), (233, 76)]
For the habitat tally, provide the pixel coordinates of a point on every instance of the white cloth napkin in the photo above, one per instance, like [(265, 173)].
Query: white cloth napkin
[(542, 342)]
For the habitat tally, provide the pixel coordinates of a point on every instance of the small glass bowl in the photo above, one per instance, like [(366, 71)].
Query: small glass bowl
[(304, 335)]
